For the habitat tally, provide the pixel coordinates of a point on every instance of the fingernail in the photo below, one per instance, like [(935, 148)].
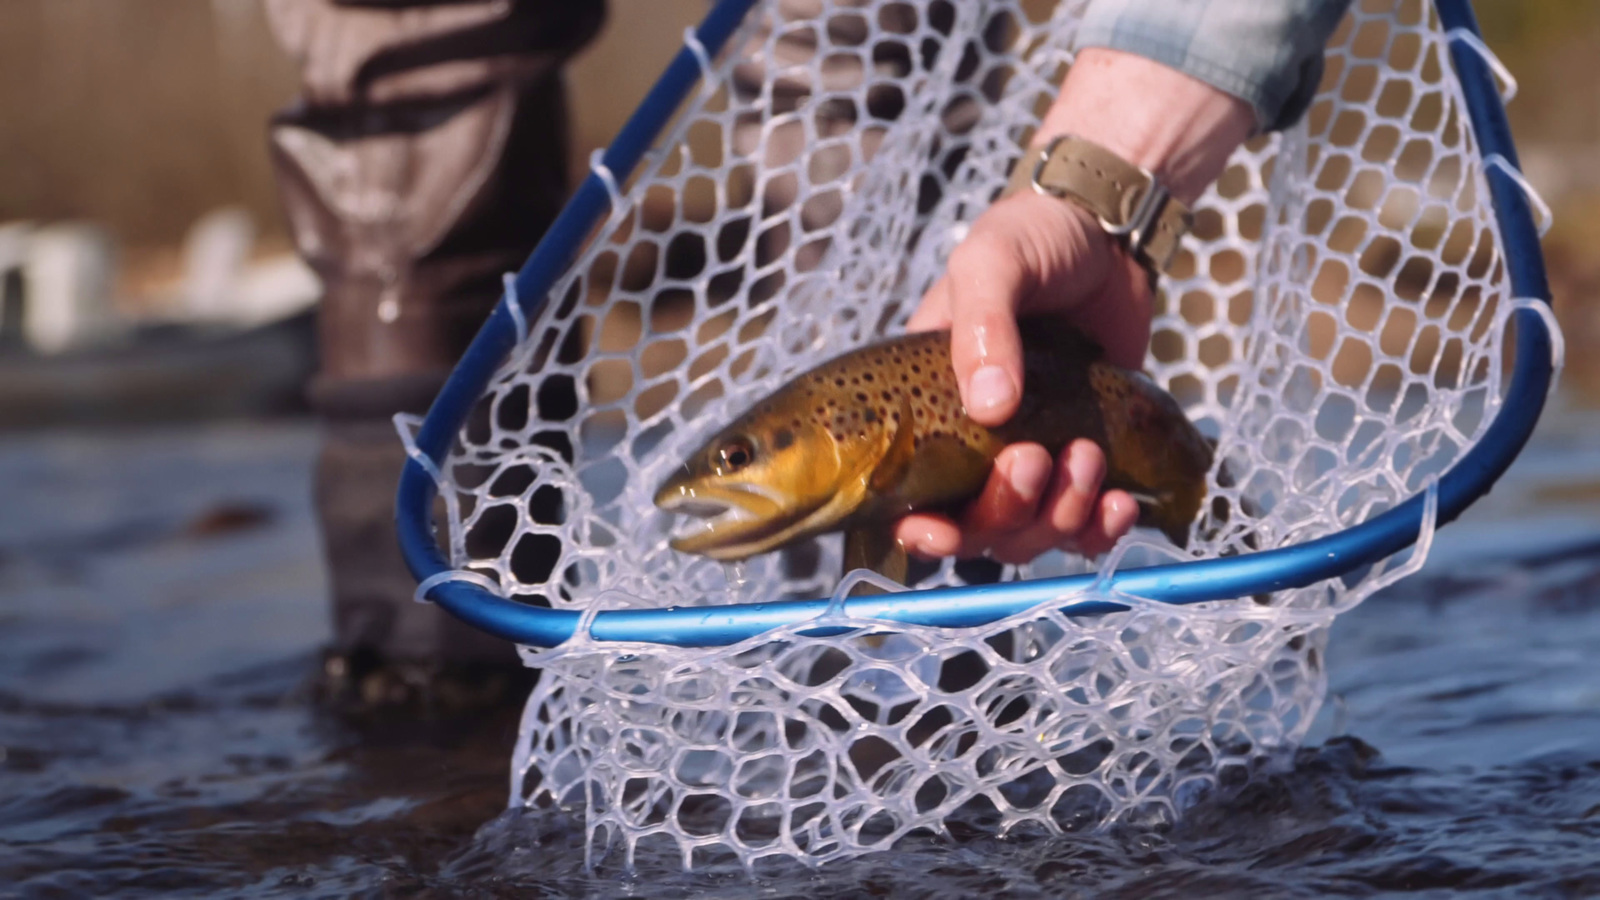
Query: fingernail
[(990, 387), (931, 545), (1028, 474), (1085, 470)]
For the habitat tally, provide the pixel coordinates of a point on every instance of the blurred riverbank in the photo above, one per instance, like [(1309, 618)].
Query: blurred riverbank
[(150, 131)]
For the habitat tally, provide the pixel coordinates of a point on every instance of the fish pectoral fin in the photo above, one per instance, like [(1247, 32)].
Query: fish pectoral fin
[(945, 471), (900, 447), (875, 548)]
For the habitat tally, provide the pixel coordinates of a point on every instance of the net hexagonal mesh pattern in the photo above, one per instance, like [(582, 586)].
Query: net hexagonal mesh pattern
[(1335, 321)]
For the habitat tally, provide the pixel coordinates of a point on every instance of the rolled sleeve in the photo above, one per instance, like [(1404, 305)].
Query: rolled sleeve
[(1267, 53)]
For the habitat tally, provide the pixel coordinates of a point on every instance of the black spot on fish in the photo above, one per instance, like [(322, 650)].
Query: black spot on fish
[(870, 416), (784, 438), (861, 396)]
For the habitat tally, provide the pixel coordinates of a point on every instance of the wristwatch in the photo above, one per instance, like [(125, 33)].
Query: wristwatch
[(1131, 205)]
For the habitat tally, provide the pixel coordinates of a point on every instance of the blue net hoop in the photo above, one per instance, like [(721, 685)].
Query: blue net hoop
[(1300, 565)]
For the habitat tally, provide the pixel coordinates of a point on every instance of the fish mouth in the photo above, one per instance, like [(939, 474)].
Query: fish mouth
[(731, 521)]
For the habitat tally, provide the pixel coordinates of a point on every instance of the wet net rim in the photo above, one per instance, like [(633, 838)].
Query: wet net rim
[(1181, 583)]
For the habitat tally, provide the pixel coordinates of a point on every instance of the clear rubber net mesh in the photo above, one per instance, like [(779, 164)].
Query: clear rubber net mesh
[(1335, 321)]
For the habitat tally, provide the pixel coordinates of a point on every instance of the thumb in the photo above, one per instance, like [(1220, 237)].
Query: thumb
[(986, 280)]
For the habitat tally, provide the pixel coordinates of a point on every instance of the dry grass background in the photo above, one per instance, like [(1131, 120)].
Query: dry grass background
[(145, 114)]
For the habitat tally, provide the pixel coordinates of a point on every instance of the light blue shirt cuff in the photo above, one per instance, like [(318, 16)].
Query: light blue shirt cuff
[(1267, 53)]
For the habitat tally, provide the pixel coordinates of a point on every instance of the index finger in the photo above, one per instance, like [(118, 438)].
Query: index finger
[(986, 283), (933, 313)]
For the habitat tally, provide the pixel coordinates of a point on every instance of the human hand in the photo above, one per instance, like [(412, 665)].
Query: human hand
[(1035, 254), (1031, 254)]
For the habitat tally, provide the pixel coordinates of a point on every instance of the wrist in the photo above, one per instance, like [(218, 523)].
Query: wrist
[(1179, 128), (1064, 244)]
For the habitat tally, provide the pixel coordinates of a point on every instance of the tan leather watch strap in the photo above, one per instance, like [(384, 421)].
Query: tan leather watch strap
[(1129, 202)]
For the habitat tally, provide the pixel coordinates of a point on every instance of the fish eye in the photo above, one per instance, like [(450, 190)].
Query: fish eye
[(733, 455)]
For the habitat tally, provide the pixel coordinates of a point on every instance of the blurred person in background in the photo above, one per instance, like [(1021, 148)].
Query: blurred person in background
[(425, 156)]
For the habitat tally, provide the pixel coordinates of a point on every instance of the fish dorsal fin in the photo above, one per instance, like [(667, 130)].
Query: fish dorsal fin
[(896, 458)]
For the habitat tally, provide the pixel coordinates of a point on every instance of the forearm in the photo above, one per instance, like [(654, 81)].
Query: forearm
[(1178, 127), (1177, 85)]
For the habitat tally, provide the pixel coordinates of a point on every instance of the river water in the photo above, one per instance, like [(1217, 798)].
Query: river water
[(161, 615)]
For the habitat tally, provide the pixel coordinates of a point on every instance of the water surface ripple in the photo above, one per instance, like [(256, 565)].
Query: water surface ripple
[(161, 614)]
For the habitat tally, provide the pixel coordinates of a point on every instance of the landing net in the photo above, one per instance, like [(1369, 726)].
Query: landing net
[(1337, 321)]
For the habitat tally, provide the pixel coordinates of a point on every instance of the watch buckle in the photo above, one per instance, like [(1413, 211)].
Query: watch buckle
[(1136, 231)]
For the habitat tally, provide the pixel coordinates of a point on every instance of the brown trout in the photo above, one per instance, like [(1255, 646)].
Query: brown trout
[(880, 432)]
